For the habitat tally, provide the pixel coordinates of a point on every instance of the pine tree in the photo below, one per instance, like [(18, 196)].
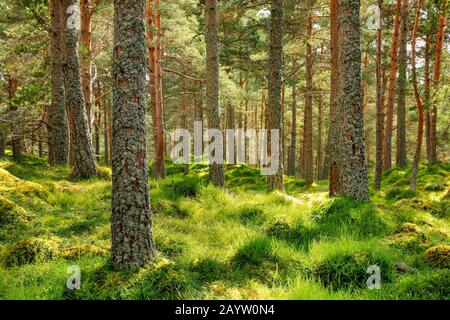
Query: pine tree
[(132, 241), (216, 170)]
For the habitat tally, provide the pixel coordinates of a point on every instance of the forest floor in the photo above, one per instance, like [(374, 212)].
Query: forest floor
[(241, 243)]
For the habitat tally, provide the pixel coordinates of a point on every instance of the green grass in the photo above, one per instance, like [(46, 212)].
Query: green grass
[(239, 243)]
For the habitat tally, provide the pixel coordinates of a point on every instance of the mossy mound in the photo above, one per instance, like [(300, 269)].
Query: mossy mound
[(349, 270), (438, 256), (250, 213), (399, 193), (7, 177), (31, 250), (12, 217), (169, 208), (409, 237), (426, 286), (83, 250), (104, 173), (440, 209)]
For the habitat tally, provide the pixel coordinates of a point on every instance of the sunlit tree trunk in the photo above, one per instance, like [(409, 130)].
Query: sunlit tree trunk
[(308, 130), (293, 148), (436, 82), (155, 75), (401, 159), (387, 153), (329, 166), (417, 155), (82, 150)]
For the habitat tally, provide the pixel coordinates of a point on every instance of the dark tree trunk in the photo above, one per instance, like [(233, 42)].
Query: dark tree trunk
[(274, 113), (82, 150), (15, 130), (216, 170), (132, 240), (350, 156), (401, 159)]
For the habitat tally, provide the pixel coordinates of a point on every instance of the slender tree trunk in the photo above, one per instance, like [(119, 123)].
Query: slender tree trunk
[(216, 170), (131, 227), (319, 136), (401, 159), (82, 149), (86, 12), (417, 155), (436, 82), (275, 121), (58, 142), (185, 114), (2, 143), (97, 122), (293, 149), (427, 96), (379, 107), (331, 167), (308, 130), (154, 63), (15, 130), (105, 127), (387, 154), (350, 154)]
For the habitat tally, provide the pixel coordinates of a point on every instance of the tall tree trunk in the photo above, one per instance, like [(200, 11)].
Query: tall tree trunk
[(154, 64), (308, 130), (82, 149), (379, 106), (185, 114), (86, 12), (97, 121), (275, 121), (15, 130), (436, 82), (319, 136), (401, 159), (58, 140), (293, 149), (131, 227), (216, 170), (418, 153), (331, 167), (427, 95), (106, 141), (387, 154), (2, 143), (350, 154)]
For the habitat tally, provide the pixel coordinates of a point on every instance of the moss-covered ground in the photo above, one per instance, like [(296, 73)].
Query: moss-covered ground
[(238, 243)]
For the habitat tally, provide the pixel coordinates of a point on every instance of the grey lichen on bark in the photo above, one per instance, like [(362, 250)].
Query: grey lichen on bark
[(84, 165), (132, 240), (57, 117), (216, 170), (351, 145)]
